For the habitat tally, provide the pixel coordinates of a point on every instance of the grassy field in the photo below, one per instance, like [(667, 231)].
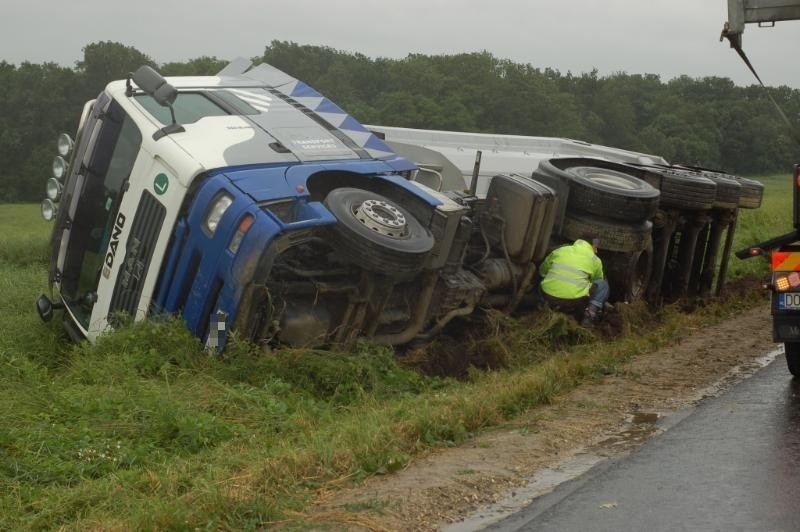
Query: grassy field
[(144, 430), (756, 225)]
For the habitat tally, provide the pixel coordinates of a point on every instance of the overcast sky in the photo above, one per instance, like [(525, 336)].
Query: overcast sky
[(665, 37)]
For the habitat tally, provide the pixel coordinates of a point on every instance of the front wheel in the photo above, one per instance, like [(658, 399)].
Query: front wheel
[(376, 233), (793, 357)]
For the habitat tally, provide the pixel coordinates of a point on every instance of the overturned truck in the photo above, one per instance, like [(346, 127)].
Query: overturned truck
[(247, 201)]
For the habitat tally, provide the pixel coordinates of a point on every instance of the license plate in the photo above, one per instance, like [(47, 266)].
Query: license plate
[(789, 301)]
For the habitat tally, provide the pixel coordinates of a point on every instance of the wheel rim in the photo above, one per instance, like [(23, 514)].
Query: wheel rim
[(383, 218), (608, 178)]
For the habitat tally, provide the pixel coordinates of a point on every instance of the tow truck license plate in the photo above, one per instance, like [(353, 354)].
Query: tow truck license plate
[(789, 301)]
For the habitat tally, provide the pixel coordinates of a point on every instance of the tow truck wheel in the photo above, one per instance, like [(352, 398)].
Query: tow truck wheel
[(793, 357), (376, 233)]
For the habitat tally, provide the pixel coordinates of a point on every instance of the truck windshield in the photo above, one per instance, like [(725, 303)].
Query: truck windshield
[(102, 181)]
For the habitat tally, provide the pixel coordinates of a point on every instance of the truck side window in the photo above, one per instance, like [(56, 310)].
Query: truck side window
[(189, 108)]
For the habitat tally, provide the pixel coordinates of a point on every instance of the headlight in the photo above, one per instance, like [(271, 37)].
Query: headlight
[(49, 210), (64, 144), (59, 167), (216, 212), (53, 189)]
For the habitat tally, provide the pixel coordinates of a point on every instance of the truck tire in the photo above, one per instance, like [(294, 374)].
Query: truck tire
[(606, 189), (793, 357), (376, 233), (628, 274), (729, 189), (751, 192), (614, 236), (682, 188)]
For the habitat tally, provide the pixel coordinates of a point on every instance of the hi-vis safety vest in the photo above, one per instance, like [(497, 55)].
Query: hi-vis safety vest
[(568, 271)]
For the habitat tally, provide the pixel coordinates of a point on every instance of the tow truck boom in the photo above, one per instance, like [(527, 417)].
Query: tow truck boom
[(762, 12)]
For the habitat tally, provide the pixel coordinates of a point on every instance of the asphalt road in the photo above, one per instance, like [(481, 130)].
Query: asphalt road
[(733, 464)]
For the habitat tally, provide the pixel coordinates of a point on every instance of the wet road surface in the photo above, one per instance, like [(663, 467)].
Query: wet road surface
[(733, 464)]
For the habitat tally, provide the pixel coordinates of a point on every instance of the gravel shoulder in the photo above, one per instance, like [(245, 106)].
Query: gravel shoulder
[(609, 417)]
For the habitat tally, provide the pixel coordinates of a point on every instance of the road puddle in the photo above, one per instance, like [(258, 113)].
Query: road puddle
[(639, 427), (640, 418)]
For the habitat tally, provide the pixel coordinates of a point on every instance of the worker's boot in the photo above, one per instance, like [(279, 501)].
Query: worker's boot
[(590, 316)]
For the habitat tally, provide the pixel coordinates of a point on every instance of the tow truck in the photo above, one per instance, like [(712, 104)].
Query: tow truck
[(783, 250)]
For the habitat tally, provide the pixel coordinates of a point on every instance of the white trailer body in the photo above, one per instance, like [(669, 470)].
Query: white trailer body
[(501, 154)]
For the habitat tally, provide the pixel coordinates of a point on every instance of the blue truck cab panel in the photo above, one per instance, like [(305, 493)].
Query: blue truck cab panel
[(205, 274)]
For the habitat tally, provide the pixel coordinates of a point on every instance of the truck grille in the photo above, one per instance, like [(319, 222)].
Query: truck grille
[(138, 253)]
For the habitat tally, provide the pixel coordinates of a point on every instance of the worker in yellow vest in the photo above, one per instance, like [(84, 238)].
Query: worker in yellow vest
[(573, 280)]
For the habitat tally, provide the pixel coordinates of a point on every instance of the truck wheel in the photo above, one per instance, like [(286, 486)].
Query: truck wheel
[(682, 188), (376, 233), (751, 193), (628, 273), (729, 189), (614, 236), (607, 189), (793, 357)]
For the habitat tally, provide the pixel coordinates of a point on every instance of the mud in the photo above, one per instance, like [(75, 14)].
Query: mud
[(595, 420), (488, 340)]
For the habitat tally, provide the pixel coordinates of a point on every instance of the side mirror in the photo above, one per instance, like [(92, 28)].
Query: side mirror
[(162, 92), (165, 95), (155, 85), (45, 308)]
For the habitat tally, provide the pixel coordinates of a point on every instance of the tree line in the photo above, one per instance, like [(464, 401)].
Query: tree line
[(707, 121)]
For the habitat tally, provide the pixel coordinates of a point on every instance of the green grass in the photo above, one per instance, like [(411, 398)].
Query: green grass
[(144, 430), (774, 218), (25, 235)]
